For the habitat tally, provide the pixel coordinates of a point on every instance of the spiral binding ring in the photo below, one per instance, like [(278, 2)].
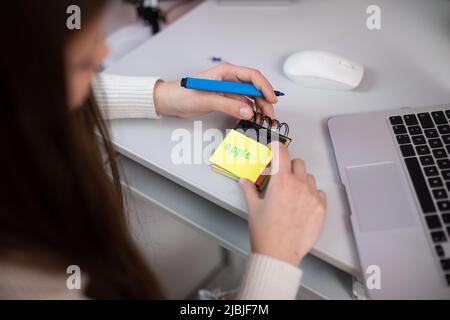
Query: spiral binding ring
[(276, 124), (286, 128), (261, 119)]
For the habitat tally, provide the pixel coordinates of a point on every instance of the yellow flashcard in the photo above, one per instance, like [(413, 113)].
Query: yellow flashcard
[(242, 156)]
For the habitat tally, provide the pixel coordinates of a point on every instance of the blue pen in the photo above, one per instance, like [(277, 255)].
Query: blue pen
[(245, 89)]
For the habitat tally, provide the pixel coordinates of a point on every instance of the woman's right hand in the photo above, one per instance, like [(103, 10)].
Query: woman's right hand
[(285, 223)]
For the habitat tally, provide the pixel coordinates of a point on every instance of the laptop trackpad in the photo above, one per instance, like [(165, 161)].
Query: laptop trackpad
[(379, 197)]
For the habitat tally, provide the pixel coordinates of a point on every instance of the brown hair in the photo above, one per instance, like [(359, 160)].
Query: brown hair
[(56, 196)]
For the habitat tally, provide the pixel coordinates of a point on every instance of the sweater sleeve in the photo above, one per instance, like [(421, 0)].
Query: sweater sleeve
[(269, 278), (125, 96)]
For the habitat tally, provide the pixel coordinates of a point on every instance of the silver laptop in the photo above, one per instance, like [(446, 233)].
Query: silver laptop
[(395, 166)]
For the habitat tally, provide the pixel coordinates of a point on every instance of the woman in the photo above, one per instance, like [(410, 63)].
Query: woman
[(58, 206)]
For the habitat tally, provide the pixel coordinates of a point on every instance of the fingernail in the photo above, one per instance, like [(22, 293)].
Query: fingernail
[(244, 112)]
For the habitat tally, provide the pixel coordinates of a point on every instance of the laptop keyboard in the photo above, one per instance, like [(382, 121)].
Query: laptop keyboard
[(424, 142)]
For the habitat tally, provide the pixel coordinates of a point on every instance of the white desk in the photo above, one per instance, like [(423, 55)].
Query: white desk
[(407, 64)]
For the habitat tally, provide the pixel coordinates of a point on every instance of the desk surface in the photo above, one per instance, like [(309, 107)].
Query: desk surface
[(406, 65)]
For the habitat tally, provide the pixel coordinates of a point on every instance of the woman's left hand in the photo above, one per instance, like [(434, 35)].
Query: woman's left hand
[(173, 100)]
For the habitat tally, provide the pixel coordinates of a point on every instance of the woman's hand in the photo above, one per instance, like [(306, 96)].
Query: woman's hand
[(286, 223), (173, 100)]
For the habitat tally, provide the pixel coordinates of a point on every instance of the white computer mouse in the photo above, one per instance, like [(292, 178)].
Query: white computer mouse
[(323, 70)]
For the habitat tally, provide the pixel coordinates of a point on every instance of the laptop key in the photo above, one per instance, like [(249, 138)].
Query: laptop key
[(420, 185), (431, 171), (439, 117), (439, 250), (403, 138), (425, 120), (399, 129), (439, 153), (446, 138), (426, 160), (448, 186), (438, 236), (410, 119), (445, 263), (446, 174), (433, 222), (444, 205), (444, 129), (420, 139), (413, 130), (446, 218), (396, 120), (435, 182), (443, 163), (435, 143), (422, 150), (407, 150), (440, 193), (431, 133), (447, 277)]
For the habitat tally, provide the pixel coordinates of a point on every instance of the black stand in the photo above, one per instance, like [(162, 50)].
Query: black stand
[(151, 16)]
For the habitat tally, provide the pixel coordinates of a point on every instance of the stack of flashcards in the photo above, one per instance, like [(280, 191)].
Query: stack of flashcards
[(244, 152)]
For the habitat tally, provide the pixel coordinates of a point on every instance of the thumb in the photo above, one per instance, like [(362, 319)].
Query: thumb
[(234, 107), (251, 193)]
